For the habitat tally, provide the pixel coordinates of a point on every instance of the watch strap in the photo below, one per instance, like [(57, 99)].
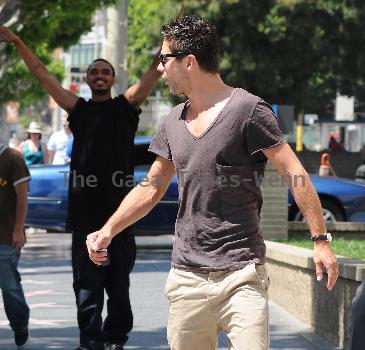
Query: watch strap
[(324, 237)]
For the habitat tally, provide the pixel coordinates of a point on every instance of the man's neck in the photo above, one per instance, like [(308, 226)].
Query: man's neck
[(207, 91), (101, 98), (67, 131)]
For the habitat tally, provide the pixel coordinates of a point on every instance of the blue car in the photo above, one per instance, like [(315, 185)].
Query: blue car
[(342, 200)]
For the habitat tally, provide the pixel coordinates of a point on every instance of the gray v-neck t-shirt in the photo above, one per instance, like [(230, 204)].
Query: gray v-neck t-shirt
[(219, 173)]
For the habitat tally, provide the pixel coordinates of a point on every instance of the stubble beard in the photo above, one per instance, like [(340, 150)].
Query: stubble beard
[(175, 90)]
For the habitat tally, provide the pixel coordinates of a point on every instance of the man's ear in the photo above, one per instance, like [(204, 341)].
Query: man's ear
[(191, 61)]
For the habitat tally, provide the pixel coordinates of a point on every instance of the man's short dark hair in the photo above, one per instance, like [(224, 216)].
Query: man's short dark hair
[(194, 35), (101, 60)]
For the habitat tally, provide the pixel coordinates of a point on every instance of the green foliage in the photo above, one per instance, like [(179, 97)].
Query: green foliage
[(352, 248), (22, 86), (44, 25), (298, 52), (146, 132), (145, 19)]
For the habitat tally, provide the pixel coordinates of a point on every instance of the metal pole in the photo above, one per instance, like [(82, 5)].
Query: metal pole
[(117, 43), (4, 131)]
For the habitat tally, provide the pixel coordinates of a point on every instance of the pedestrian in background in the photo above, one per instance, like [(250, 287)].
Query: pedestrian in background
[(33, 149), (218, 143), (357, 322), (14, 177), (57, 144), (14, 142), (104, 129), (334, 145)]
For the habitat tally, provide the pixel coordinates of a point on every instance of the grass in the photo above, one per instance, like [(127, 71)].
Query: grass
[(352, 248)]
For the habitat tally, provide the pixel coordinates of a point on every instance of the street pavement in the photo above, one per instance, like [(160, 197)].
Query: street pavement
[(47, 280)]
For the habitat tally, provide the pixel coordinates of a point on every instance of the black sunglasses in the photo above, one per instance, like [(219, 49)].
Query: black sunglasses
[(164, 56)]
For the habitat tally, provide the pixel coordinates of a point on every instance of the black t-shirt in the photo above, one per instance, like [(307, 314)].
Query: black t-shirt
[(102, 160)]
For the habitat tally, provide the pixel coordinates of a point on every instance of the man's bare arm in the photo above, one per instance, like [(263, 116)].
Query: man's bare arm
[(64, 98), (50, 156), (138, 92), (143, 197), (21, 212), (306, 197), (135, 205)]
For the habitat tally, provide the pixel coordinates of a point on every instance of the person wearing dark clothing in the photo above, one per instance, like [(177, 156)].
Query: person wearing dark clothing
[(101, 150), (333, 145), (14, 177), (104, 130), (357, 334)]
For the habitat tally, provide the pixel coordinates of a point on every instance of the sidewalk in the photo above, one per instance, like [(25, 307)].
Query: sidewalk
[(47, 279)]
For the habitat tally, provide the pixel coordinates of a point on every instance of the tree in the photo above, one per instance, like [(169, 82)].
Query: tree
[(145, 19), (299, 52), (44, 25)]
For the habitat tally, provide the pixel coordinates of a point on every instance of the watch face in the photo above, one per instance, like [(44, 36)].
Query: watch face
[(329, 237)]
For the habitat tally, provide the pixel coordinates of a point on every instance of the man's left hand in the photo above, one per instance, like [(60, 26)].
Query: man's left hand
[(96, 241), (323, 257), (18, 239)]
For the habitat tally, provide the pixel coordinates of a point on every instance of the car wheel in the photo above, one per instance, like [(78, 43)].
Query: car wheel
[(331, 212)]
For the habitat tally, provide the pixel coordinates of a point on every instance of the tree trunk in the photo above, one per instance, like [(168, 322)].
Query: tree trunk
[(8, 11), (4, 129)]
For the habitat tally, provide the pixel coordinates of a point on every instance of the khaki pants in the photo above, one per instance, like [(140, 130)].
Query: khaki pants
[(203, 304)]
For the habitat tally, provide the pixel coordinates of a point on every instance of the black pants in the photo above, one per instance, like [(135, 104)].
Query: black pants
[(89, 284)]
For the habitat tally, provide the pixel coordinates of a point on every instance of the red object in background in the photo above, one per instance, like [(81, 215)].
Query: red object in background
[(75, 88), (333, 144), (324, 168)]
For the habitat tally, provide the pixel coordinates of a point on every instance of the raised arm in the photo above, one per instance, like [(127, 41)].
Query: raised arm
[(64, 98), (306, 197), (138, 92), (135, 205)]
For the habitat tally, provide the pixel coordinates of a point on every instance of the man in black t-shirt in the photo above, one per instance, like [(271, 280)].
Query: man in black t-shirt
[(104, 130)]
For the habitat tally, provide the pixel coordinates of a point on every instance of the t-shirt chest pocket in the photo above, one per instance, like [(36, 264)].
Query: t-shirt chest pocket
[(240, 192)]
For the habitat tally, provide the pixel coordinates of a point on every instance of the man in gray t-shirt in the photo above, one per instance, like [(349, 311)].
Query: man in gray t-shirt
[(217, 143)]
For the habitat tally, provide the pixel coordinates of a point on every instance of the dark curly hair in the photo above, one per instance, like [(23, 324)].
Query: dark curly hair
[(194, 35), (101, 60)]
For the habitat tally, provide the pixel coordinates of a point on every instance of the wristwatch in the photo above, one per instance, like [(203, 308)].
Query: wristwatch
[(325, 237)]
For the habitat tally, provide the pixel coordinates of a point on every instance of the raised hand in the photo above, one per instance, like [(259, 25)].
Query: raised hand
[(18, 239), (181, 12), (6, 35)]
